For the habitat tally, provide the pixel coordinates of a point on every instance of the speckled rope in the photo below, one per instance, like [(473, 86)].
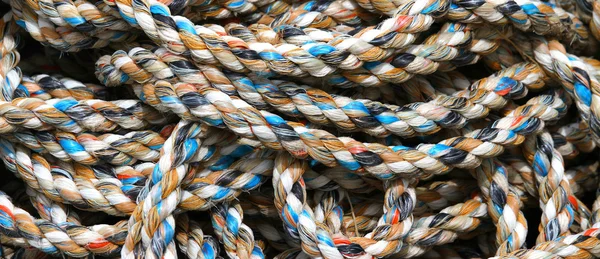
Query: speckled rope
[(90, 149), (422, 89), (207, 46), (534, 15), (300, 223), (47, 87), (193, 242), (581, 245), (521, 175), (503, 206), (296, 134), (306, 13), (437, 229), (64, 38), (572, 139), (575, 77), (454, 45), (553, 188), (83, 16), (293, 100), (430, 199), (70, 239), (47, 209), (117, 195), (237, 237), (443, 227), (86, 19), (583, 179), (438, 195), (589, 11), (364, 218), (166, 84), (151, 224), (23, 253), (325, 179), (74, 116), (10, 73)]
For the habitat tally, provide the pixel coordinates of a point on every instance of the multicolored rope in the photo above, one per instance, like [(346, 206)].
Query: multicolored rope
[(386, 129), (192, 242), (89, 149), (212, 45), (10, 73), (63, 27), (237, 237), (75, 116), (293, 100), (575, 76), (504, 207), (48, 87), (275, 139), (555, 193), (54, 239), (119, 191)]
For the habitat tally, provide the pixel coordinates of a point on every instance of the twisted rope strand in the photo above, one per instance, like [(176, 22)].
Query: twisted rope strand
[(114, 190), (47, 87), (554, 190), (74, 116), (237, 237), (443, 227), (9, 56), (206, 45), (192, 242), (88, 149), (294, 100), (276, 133), (70, 239), (503, 207)]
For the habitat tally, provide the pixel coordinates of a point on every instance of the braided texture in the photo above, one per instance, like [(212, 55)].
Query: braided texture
[(295, 129)]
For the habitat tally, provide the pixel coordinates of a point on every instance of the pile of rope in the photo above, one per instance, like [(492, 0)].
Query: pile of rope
[(300, 129)]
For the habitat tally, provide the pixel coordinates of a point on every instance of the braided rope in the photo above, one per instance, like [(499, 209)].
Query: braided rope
[(438, 195), (443, 227), (300, 222), (74, 116), (330, 179), (295, 100), (51, 238), (63, 38), (595, 21), (237, 237), (115, 190), (575, 77), (437, 229), (89, 149), (534, 16), (351, 114), (363, 220), (192, 241), (503, 206), (580, 245), (296, 145), (553, 188), (583, 178), (10, 73), (54, 212), (47, 87), (88, 18), (207, 46), (151, 224)]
